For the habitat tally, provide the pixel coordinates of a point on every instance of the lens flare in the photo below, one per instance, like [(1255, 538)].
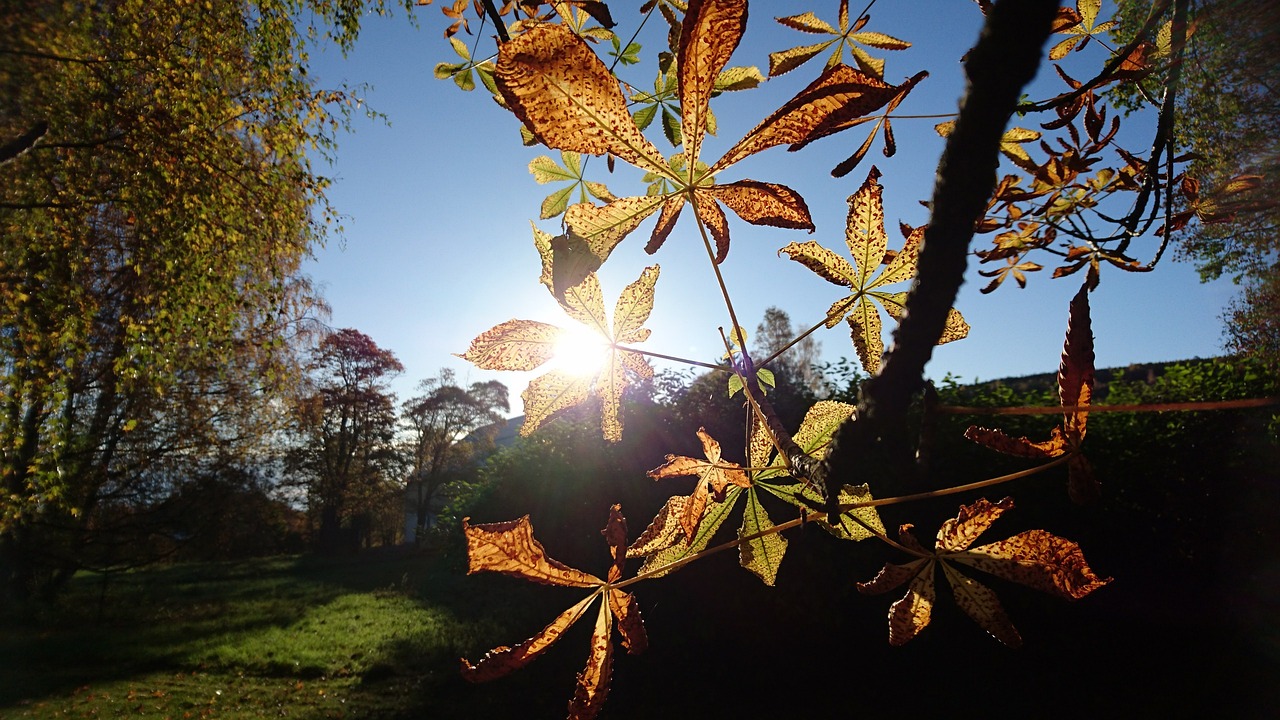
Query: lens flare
[(581, 352)]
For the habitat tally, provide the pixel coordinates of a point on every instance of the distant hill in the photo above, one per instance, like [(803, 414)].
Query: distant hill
[(1103, 377)]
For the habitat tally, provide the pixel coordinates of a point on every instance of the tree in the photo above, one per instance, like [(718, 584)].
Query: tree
[(796, 354), (449, 426), (156, 202), (1228, 105), (345, 457)]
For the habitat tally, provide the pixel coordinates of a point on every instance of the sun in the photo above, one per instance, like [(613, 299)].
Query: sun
[(581, 352)]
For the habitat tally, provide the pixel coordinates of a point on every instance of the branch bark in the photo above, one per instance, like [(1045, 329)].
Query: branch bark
[(1005, 59)]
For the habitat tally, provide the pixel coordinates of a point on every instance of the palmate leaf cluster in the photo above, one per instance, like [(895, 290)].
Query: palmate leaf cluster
[(1070, 176)]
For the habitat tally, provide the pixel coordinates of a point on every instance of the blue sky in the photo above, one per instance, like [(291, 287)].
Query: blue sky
[(438, 248)]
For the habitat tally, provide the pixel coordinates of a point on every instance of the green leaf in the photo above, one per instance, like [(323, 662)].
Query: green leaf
[(713, 517), (761, 554)]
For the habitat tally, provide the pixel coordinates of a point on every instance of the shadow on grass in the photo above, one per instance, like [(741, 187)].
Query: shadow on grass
[(169, 618)]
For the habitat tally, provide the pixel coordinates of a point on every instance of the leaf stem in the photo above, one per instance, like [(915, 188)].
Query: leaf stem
[(810, 516), (672, 358)]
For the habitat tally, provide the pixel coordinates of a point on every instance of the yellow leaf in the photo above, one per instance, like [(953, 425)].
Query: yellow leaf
[(549, 394), (633, 308), (865, 330), (784, 61), (830, 266), (603, 227), (514, 345)]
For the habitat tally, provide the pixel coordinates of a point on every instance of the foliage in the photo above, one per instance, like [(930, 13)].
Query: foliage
[(449, 428), (1078, 197), (156, 209), (345, 457), (1226, 109)]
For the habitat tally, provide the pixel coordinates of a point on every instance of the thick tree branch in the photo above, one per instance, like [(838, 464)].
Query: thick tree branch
[(1005, 59)]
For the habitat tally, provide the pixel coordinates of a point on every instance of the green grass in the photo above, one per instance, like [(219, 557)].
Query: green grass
[(367, 637)]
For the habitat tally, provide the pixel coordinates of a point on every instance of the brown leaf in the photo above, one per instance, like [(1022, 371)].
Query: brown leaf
[(627, 612), (510, 548), (891, 576), (709, 35), (568, 99), (1082, 483), (1039, 560), (959, 532), (761, 203), (1075, 372), (671, 208), (1018, 447), (664, 531), (713, 218), (593, 681), (503, 660), (615, 533), (828, 105), (980, 603), (713, 474), (911, 614)]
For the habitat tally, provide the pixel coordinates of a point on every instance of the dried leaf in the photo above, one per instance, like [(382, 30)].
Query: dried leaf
[(1039, 560), (510, 548), (762, 203), (891, 576), (713, 473), (959, 532), (664, 531), (627, 612), (503, 660), (615, 534), (593, 681), (911, 614), (714, 516), (513, 345), (1034, 558), (839, 96), (866, 332), (1018, 447), (980, 603), (563, 93), (708, 37)]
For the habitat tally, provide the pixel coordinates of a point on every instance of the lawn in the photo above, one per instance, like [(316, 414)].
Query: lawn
[(377, 636)]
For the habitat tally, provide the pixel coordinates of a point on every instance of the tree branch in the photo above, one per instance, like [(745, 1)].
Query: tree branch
[(1005, 59)]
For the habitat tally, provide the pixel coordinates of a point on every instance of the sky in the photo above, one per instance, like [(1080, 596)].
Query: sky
[(438, 203)]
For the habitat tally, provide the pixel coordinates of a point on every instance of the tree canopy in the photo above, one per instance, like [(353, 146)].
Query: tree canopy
[(157, 199)]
